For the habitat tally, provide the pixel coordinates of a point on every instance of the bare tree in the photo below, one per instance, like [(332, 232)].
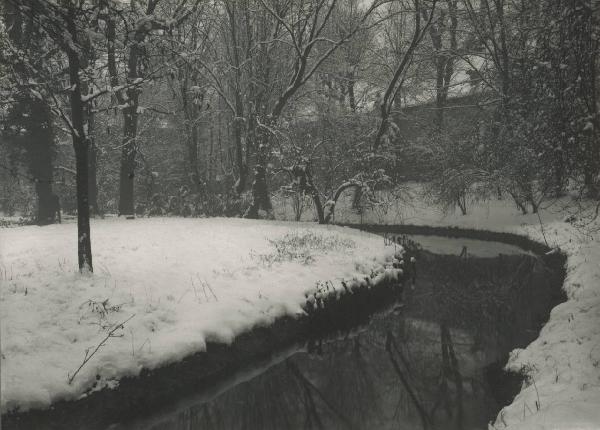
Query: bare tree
[(405, 58), (63, 23), (444, 57), (304, 27), (139, 25), (29, 115)]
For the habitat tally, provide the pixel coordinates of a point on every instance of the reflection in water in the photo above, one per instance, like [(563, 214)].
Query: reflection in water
[(428, 364), (393, 375), (432, 362)]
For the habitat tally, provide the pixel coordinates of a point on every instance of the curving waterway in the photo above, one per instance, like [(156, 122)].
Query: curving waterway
[(431, 360)]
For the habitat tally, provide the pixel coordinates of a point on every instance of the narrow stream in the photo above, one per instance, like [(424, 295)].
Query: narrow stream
[(432, 361)]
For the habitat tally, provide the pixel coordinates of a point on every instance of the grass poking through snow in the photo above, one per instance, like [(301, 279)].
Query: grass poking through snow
[(301, 247)]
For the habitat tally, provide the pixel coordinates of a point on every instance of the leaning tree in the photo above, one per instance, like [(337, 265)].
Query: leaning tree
[(412, 20)]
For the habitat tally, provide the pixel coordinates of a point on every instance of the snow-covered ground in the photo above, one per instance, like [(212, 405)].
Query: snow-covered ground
[(153, 268), (563, 391), (175, 283)]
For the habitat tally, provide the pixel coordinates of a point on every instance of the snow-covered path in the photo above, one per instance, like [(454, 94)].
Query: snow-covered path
[(181, 281)]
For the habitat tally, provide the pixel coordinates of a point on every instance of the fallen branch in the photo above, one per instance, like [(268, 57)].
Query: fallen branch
[(89, 355)]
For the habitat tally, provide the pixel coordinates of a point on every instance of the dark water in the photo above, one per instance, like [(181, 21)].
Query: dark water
[(433, 360)]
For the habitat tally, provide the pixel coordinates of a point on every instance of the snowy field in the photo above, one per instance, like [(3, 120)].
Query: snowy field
[(563, 364), (175, 283)]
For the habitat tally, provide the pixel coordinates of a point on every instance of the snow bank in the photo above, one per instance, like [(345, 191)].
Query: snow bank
[(563, 364), (183, 282)]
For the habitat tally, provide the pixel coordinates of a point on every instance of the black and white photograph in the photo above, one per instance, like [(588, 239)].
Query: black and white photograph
[(300, 214)]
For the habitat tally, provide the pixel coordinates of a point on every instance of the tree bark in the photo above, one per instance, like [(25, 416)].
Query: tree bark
[(351, 95), (444, 61), (303, 176), (81, 146), (592, 165), (393, 86), (260, 193), (93, 164), (260, 189), (336, 196), (45, 212), (40, 154), (127, 166), (318, 205), (239, 155), (127, 162), (193, 158), (130, 112), (239, 106), (38, 142), (193, 134)]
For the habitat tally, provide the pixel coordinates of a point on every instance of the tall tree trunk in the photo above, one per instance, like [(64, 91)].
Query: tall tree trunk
[(444, 61), (38, 142), (84, 243), (260, 189), (351, 95), (130, 113), (93, 179), (93, 163), (302, 175), (46, 212), (239, 155), (559, 171), (590, 169), (440, 100), (593, 142), (260, 193), (314, 193), (81, 146), (194, 174), (397, 80), (239, 106), (127, 167), (210, 161), (127, 164), (588, 92), (40, 154), (192, 113)]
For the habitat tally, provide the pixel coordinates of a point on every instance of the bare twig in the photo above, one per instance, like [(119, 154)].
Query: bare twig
[(542, 228), (89, 355)]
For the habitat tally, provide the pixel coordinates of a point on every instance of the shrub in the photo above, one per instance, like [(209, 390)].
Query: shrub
[(299, 246)]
